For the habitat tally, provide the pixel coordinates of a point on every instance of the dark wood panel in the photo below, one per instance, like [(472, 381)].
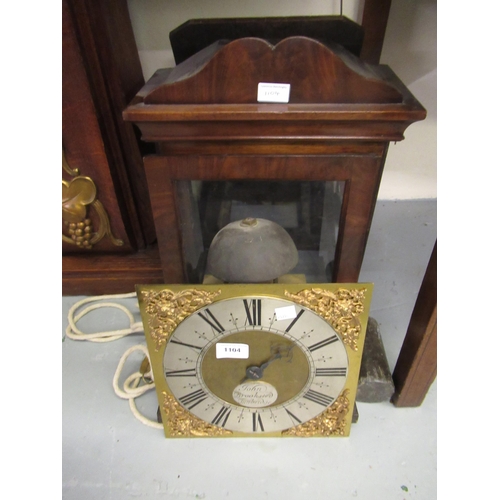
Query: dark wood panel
[(107, 274), (319, 131), (196, 34), (122, 73), (279, 146), (365, 40), (374, 22), (101, 73), (82, 138), (416, 367), (360, 198)]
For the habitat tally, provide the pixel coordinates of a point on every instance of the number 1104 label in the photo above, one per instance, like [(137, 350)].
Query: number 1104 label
[(226, 350)]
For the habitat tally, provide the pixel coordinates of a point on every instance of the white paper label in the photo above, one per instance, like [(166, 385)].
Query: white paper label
[(287, 312), (273, 92), (237, 351)]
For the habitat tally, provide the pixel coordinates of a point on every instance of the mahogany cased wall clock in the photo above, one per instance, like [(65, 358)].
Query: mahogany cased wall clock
[(310, 161), (255, 360)]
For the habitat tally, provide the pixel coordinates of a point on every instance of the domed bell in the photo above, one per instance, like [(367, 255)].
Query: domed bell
[(251, 251)]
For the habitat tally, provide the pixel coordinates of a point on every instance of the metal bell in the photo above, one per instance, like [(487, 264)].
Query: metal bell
[(251, 251)]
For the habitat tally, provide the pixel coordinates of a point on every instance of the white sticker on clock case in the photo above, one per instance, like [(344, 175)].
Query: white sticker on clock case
[(273, 92), (227, 350), (287, 312)]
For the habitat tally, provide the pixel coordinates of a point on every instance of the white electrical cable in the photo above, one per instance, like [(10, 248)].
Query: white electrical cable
[(131, 386), (76, 334)]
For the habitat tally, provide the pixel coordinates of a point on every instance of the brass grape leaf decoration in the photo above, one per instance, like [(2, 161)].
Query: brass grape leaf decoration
[(78, 196)]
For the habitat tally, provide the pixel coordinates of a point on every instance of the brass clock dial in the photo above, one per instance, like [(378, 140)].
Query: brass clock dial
[(248, 363), (294, 369)]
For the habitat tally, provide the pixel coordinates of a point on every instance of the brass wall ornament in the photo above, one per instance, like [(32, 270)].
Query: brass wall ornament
[(255, 359), (78, 196), (71, 171)]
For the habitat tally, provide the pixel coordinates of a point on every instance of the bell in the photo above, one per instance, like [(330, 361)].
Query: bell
[(251, 251)]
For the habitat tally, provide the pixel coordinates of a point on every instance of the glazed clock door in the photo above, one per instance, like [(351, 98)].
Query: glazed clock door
[(324, 202)]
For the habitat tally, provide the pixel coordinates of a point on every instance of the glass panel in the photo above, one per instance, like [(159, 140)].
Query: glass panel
[(308, 211)]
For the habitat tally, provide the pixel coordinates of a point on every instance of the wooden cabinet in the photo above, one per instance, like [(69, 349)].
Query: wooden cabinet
[(108, 231)]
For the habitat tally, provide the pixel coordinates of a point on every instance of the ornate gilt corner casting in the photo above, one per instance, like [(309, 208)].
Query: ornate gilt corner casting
[(77, 195), (340, 308), (331, 422), (185, 424), (166, 309)]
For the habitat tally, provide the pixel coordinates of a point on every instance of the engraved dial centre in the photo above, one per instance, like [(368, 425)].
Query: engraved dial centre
[(273, 359)]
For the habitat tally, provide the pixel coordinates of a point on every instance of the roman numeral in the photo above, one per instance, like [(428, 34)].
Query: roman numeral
[(293, 417), (221, 417), (253, 310), (181, 373), (331, 372), (257, 422), (195, 397), (323, 343), (317, 397), (291, 325), (212, 321), (173, 341)]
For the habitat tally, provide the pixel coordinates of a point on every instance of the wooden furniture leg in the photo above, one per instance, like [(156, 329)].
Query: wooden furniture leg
[(416, 366)]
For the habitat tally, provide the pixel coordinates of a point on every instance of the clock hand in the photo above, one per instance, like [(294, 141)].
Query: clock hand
[(255, 372), (270, 360)]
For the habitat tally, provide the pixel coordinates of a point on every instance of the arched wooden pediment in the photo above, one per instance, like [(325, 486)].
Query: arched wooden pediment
[(229, 73)]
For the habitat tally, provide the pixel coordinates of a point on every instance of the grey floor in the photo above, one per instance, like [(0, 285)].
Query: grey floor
[(390, 454)]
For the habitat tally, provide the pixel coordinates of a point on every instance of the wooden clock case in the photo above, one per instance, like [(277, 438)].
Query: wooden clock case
[(204, 118)]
